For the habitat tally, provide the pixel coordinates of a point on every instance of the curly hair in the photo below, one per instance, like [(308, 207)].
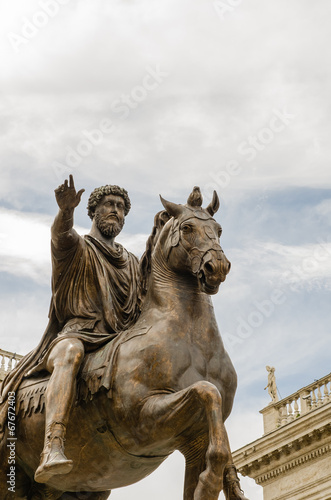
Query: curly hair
[(99, 193)]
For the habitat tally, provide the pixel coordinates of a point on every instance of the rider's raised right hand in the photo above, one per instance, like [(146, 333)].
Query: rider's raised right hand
[(66, 196)]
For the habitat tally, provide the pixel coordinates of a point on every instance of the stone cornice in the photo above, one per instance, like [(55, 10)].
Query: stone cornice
[(304, 459), (295, 444)]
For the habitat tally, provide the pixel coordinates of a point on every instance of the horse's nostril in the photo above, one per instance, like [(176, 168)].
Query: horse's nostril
[(229, 266), (209, 268)]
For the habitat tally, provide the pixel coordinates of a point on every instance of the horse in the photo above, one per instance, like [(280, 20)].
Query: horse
[(166, 384)]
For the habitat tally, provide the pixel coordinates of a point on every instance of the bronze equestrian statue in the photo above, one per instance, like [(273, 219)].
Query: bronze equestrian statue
[(164, 383)]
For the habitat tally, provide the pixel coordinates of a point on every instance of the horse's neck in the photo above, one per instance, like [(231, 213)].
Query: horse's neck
[(176, 295)]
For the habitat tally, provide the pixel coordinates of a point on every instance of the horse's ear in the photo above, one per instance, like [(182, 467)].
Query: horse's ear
[(214, 205), (172, 209), (161, 218)]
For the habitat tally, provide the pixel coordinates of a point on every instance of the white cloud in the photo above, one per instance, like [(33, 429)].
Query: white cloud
[(289, 267), (225, 81), (323, 209), (23, 319), (135, 244), (24, 244)]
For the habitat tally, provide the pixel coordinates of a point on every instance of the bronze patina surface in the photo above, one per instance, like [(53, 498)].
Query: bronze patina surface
[(141, 345)]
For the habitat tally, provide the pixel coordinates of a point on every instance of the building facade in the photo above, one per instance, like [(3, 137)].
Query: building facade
[(292, 460)]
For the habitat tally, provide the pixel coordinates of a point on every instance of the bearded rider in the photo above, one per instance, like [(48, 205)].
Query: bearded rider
[(95, 294)]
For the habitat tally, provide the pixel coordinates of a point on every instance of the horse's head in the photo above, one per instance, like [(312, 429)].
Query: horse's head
[(190, 241)]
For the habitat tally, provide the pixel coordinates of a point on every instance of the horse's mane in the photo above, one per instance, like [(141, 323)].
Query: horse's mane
[(160, 220)]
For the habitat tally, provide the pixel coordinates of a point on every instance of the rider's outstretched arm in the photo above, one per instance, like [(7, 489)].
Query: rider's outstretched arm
[(63, 234)]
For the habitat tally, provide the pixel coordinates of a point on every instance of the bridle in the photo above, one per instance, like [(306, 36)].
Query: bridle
[(197, 258)]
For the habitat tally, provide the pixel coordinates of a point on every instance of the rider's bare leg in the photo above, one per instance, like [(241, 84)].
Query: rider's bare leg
[(63, 363)]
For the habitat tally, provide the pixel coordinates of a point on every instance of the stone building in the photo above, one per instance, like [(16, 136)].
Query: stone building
[(292, 460)]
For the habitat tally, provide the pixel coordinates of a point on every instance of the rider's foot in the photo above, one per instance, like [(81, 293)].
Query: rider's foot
[(53, 459)]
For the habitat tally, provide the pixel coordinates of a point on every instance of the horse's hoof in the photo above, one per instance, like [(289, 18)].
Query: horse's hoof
[(232, 490), (235, 493)]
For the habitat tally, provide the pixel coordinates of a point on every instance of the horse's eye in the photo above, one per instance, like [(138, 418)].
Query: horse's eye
[(186, 228), (219, 232)]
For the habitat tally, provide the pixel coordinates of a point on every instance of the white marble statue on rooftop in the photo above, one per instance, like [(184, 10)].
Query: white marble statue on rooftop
[(272, 387)]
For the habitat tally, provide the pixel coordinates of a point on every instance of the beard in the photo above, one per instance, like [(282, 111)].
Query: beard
[(108, 226)]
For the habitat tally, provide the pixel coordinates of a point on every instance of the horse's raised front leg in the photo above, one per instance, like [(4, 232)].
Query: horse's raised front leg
[(178, 419)]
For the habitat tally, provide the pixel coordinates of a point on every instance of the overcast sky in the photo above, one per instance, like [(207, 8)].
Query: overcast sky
[(159, 97)]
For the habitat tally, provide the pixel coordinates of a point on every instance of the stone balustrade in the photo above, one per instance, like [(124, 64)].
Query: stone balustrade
[(300, 403), (8, 361)]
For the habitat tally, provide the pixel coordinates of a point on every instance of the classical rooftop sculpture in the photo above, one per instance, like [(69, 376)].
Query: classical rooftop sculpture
[(131, 366), (271, 386)]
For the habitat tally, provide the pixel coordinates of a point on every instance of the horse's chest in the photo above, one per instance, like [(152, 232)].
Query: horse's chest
[(206, 365), (199, 360), (181, 363), (166, 361)]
